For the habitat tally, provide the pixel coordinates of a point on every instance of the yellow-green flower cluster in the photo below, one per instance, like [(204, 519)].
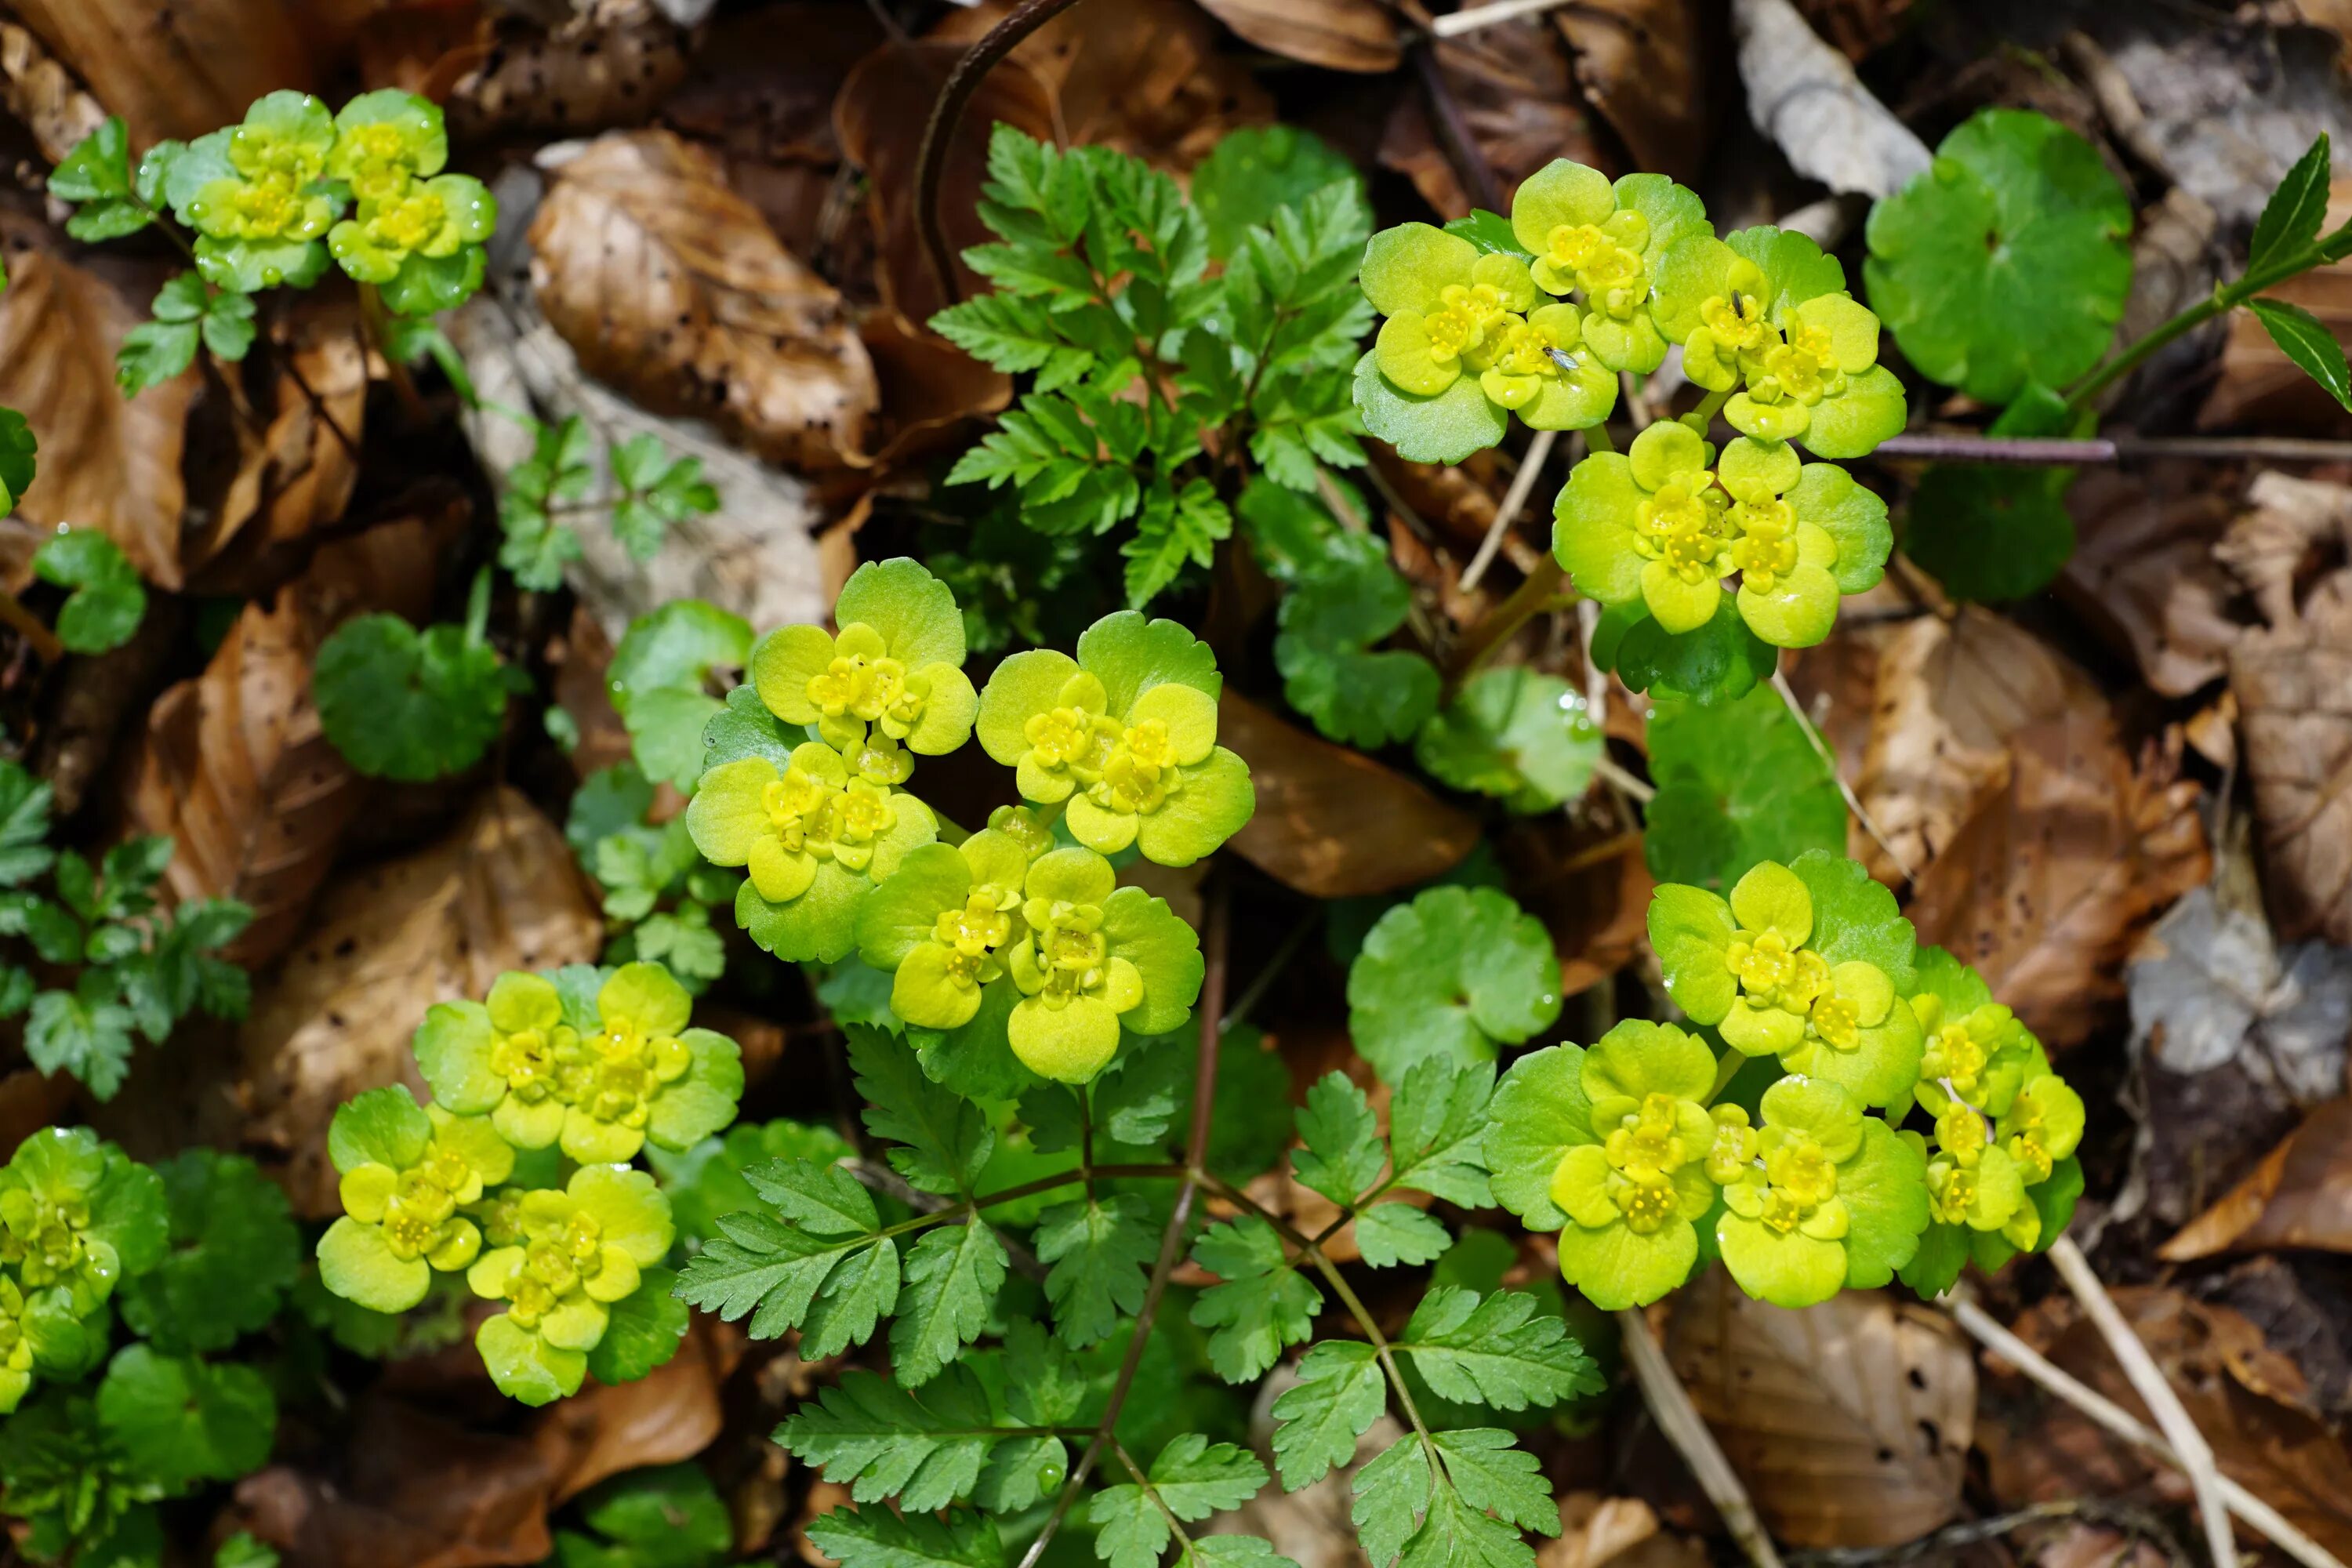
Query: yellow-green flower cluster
[(77, 1217)]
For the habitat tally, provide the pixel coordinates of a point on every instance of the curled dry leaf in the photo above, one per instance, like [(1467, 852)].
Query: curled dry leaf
[(879, 117), (1620, 1531), (1338, 35), (93, 698), (106, 462), (2143, 571), (2300, 1195), (1804, 96), (611, 63), (2248, 1400), (670, 286), (37, 89), (386, 942), (178, 70), (671, 1414), (2293, 685), (1646, 65), (2047, 887), (1948, 695), (1849, 1421), (1519, 102), (415, 1491), (2210, 988), (1331, 822)]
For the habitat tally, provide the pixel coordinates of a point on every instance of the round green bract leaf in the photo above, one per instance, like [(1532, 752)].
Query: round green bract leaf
[(703, 1100), (914, 611), (821, 924), (428, 285), (1540, 1112), (453, 1048), (1690, 928), (1827, 497), (2007, 258), (401, 704), (1216, 801), (1988, 534), (1592, 528), (902, 909), (1854, 918), (378, 1127), (1885, 1188), (1736, 783), (1166, 952), (1445, 429), (233, 1254), (1942, 1253), (1514, 734), (1720, 662), (524, 1366), (1130, 654), (356, 1263), (1450, 973), (1794, 266)]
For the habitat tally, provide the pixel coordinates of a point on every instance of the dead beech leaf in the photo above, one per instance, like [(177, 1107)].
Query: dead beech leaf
[(2286, 520), (106, 462), (37, 89), (1804, 97), (385, 943), (178, 70), (1597, 1530), (1592, 896), (2300, 1195), (879, 119), (1849, 1421), (929, 389), (2047, 886), (1949, 695), (670, 286), (2293, 685), (1519, 102), (415, 1491), (670, 1413), (2210, 988), (1331, 822), (1643, 63), (2142, 570), (610, 63), (2249, 1401), (1338, 35)]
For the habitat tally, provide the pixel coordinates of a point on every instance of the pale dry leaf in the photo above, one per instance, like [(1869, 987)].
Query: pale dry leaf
[(1338, 35), (384, 944), (610, 63), (1805, 97), (669, 1414), (180, 68), (670, 286), (1849, 1421), (1331, 822), (1948, 695), (2210, 987), (1601, 1531), (1643, 63), (2293, 685), (754, 557), (1520, 103), (2144, 573), (2299, 1196), (2047, 886), (2287, 520), (36, 87), (106, 462)]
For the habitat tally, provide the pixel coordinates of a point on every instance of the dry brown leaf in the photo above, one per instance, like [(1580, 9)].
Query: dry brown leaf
[(1331, 822), (106, 462), (387, 941), (1859, 27), (2049, 884), (2247, 1399), (37, 89), (879, 117), (2300, 1195), (1520, 104), (175, 67), (1949, 695), (670, 286), (1592, 896), (415, 1491), (1849, 1421), (671, 1414), (2293, 685), (1644, 65), (1338, 35), (582, 693), (1623, 1532), (610, 64), (2288, 521), (2255, 385), (930, 388), (2142, 570)]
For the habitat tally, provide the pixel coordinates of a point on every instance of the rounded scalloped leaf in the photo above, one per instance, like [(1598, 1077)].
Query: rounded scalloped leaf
[(1827, 497), (1445, 429), (914, 611), (1539, 1111), (1854, 917), (1736, 783), (1516, 734), (1720, 662), (2007, 258), (1130, 654), (1165, 951), (1886, 1192), (1452, 974), (382, 1126), (524, 1366), (1990, 534), (1794, 266)]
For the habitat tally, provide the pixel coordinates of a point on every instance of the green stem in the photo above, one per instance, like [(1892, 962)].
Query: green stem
[(1085, 1175), (1528, 599), (1708, 407), (1597, 439)]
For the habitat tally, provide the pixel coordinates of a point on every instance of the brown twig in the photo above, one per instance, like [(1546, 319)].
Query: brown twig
[(26, 624), (1670, 1405), (946, 111), (1955, 448)]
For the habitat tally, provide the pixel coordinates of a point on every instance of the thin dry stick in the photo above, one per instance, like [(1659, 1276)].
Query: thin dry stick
[(1678, 1418), (1506, 514), (1852, 801), (1958, 448), (1640, 789), (26, 624), (2195, 1454), (1988, 1331), (1454, 23)]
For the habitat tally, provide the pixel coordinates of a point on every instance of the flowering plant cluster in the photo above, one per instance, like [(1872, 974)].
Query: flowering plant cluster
[(1770, 1131), (77, 1219), (516, 1172)]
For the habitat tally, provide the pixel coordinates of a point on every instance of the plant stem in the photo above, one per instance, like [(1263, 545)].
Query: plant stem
[(1598, 439), (26, 624), (1530, 466), (372, 315), (1529, 598), (1960, 447), (947, 112)]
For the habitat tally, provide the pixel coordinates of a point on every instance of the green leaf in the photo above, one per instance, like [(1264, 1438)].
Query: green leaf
[(1263, 1305), (2291, 218), (96, 177), (2009, 258), (2306, 339), (1437, 1129), (1192, 1479), (666, 1516), (1991, 533), (404, 705), (646, 1329), (1514, 734), (1339, 1393), (181, 1420), (1445, 429), (1490, 1472), (1388, 1234), (1736, 783), (1256, 172), (1329, 621), (875, 1537), (1496, 1352), (1855, 918), (1134, 1100), (235, 1253), (1391, 1492), (658, 677), (1451, 974), (25, 803), (1540, 1112), (18, 447), (883, 1441), (1490, 232), (152, 353), (108, 600), (242, 1551), (941, 1140), (85, 1032), (1342, 1153), (952, 1275), (833, 1286), (1096, 1250), (1170, 531), (1719, 663)]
